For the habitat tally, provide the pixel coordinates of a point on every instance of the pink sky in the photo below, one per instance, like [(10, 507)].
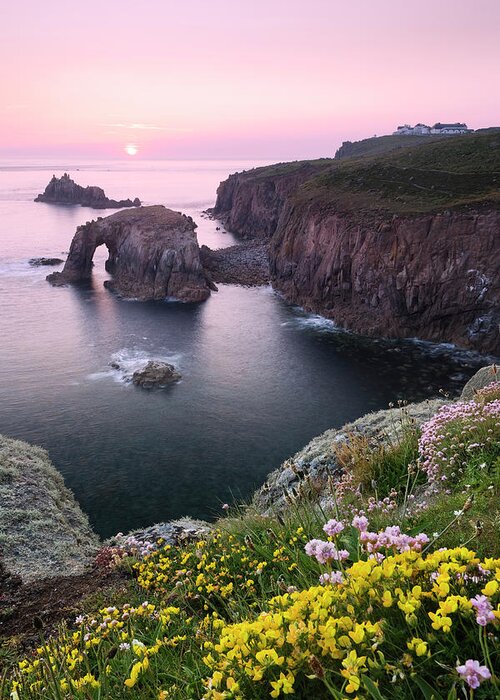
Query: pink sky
[(278, 79)]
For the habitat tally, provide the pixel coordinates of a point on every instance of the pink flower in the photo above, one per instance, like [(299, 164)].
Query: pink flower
[(311, 547), (333, 527), (484, 611), (473, 673), (333, 577), (360, 522)]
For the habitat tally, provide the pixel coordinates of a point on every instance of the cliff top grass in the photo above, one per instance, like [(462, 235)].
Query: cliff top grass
[(421, 177)]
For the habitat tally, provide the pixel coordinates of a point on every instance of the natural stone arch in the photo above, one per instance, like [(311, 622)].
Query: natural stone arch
[(153, 254)]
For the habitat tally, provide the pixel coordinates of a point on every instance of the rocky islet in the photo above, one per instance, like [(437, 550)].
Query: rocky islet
[(64, 190)]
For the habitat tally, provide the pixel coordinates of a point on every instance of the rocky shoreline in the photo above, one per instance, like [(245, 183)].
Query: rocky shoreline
[(246, 264)]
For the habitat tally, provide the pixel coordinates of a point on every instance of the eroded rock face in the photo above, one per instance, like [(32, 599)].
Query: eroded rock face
[(246, 264), (250, 203), (433, 277), (64, 190), (156, 374), (153, 254)]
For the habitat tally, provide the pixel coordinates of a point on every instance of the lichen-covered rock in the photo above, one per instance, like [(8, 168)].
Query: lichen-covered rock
[(174, 532), (153, 254), (155, 374), (64, 190), (483, 377), (43, 531), (316, 463)]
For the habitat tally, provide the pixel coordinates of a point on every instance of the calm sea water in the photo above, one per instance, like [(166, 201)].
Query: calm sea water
[(260, 378)]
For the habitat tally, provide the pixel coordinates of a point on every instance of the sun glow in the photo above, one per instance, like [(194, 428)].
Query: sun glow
[(131, 149)]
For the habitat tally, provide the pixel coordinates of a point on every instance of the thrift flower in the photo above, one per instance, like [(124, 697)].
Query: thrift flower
[(333, 527), (484, 610), (473, 673)]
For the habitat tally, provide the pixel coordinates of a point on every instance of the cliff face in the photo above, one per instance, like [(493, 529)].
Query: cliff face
[(403, 243), (153, 254), (434, 277), (250, 203), (64, 190)]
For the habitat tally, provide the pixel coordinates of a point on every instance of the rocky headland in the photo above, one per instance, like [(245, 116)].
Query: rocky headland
[(153, 254), (64, 190), (402, 243)]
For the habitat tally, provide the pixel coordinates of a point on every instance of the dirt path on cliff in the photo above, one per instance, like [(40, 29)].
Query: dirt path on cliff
[(50, 601)]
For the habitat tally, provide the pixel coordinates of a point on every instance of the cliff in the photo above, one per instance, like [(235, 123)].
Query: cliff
[(405, 244), (43, 531), (153, 254), (64, 190), (250, 203)]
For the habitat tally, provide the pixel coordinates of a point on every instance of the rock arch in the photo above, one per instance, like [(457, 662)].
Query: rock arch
[(153, 254)]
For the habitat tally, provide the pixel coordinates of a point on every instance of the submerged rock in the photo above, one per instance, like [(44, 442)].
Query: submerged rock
[(50, 262), (64, 190), (153, 254), (155, 374)]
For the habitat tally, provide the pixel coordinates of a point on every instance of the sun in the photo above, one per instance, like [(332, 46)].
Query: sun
[(131, 149)]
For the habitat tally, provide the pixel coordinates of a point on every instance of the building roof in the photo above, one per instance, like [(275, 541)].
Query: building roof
[(456, 125)]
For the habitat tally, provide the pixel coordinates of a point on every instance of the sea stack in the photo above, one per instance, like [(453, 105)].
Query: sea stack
[(153, 254), (64, 190)]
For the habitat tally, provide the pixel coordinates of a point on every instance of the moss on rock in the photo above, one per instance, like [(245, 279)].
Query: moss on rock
[(43, 531)]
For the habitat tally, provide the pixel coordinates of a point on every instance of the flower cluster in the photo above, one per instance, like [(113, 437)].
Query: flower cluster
[(337, 635), (457, 432), (473, 673)]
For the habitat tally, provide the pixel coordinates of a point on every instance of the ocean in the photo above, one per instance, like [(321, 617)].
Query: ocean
[(260, 377)]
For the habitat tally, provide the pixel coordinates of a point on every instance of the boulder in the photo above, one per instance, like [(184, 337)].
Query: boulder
[(483, 377), (155, 374), (64, 190)]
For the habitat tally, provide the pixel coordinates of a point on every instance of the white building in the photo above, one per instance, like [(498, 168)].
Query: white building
[(456, 128), (438, 128)]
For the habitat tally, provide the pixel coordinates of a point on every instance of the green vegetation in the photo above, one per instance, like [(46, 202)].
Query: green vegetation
[(400, 598), (423, 176)]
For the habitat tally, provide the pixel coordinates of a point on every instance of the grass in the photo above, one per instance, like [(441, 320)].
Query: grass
[(424, 176), (241, 615)]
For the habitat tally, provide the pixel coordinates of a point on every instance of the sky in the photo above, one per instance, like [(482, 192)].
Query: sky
[(271, 79)]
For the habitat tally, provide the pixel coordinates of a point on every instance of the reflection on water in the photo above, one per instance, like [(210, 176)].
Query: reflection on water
[(260, 378)]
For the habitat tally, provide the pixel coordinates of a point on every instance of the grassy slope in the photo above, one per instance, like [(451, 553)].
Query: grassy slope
[(378, 145), (422, 177)]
